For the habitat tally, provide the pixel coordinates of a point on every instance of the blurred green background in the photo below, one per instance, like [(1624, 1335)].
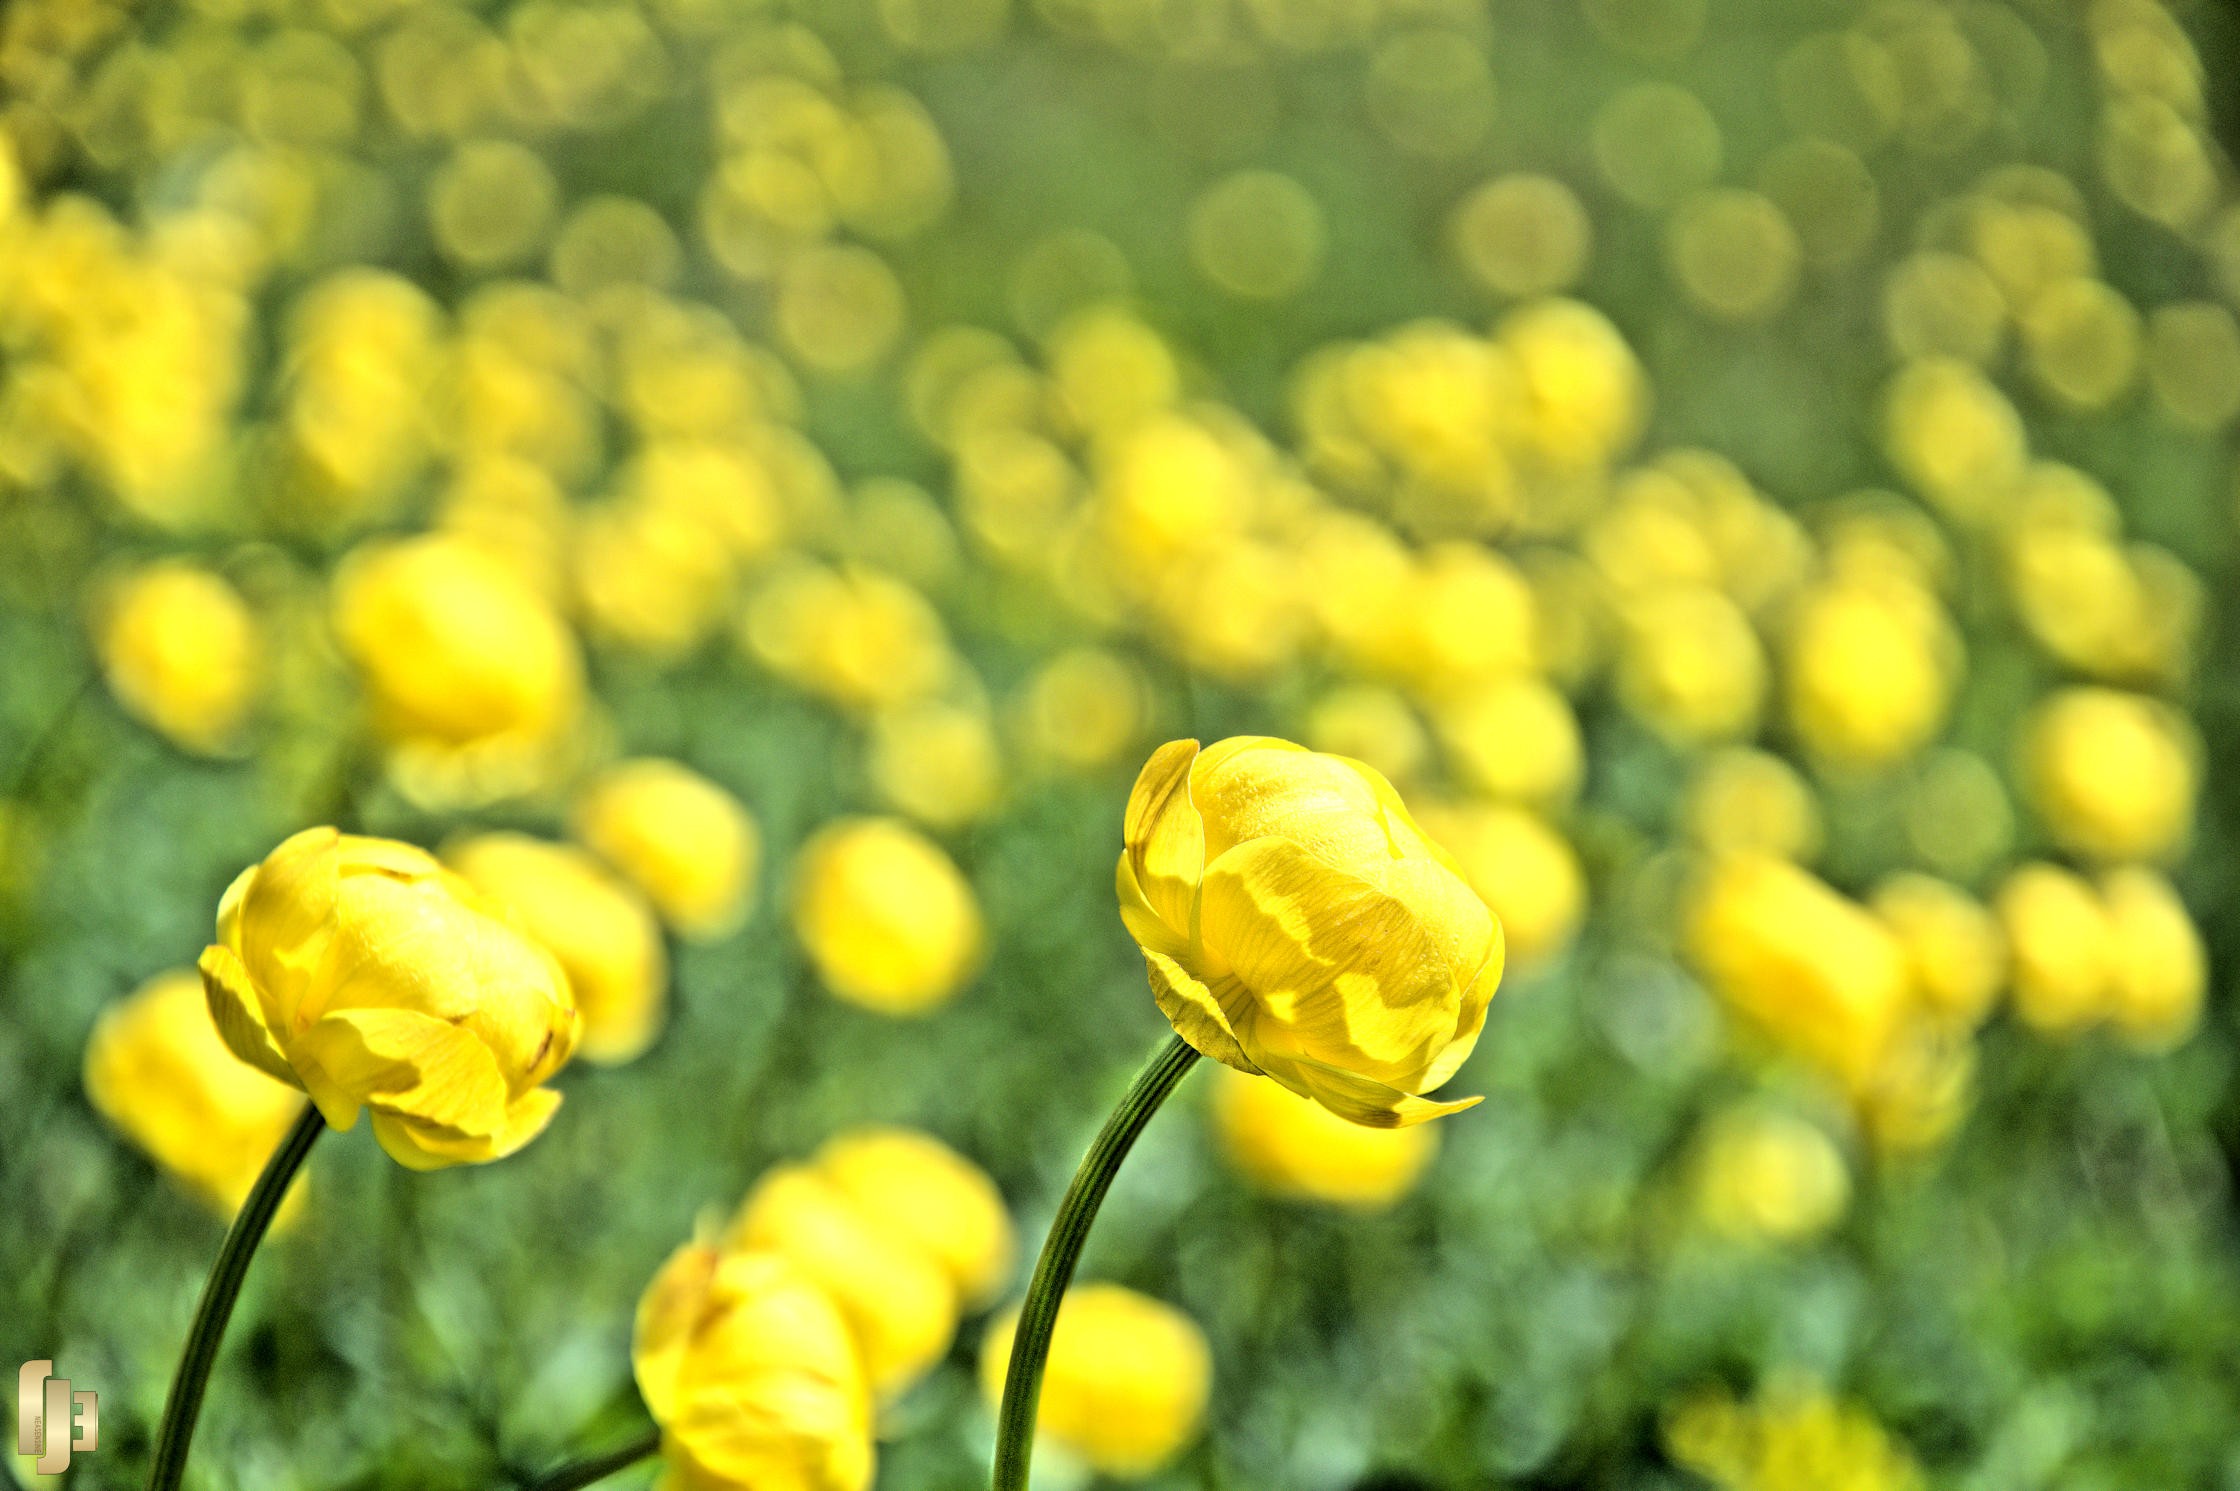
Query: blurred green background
[(938, 278)]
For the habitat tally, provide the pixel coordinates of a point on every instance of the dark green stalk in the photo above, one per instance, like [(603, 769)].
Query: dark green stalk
[(1053, 1271), (584, 1472), (218, 1295)]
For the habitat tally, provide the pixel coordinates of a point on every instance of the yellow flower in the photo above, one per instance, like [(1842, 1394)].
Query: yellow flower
[(1526, 873), (2158, 967), (2111, 773), (601, 931), (2062, 944), (898, 1301), (1772, 1177), (1747, 801), (1296, 922), (1127, 1380), (1291, 1146), (365, 973), (1954, 948), (886, 917), (158, 1070), (913, 1186), (936, 761), (180, 652), (856, 636), (1691, 666), (747, 1366), (456, 649), (680, 838), (1812, 969), (1516, 738), (1793, 1438), (1871, 666)]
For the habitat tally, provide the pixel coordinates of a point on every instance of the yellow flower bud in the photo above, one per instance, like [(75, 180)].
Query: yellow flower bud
[(898, 1301), (1291, 1146), (1691, 666), (1743, 800), (1525, 872), (914, 1187), (748, 1367), (158, 1070), (601, 931), (365, 973), (2159, 969), (857, 636), (180, 652), (1127, 1380), (886, 917), (2062, 945), (2111, 773), (1767, 1176), (1296, 922), (936, 761), (1811, 968), (1954, 948), (1515, 739), (455, 647), (686, 843), (1871, 666)]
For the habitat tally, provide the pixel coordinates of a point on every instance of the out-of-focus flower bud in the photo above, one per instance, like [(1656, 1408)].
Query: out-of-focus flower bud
[(1293, 1146), (684, 841), (1127, 1380), (913, 1186), (886, 917), (181, 652)]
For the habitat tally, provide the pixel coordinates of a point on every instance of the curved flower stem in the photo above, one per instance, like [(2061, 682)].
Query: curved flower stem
[(185, 1403), (584, 1472), (1030, 1343)]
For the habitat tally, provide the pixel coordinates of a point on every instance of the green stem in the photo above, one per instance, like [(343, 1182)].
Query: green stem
[(1030, 1342), (583, 1472), (249, 1225)]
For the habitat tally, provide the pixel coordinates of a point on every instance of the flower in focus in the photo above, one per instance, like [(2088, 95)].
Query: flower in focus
[(1296, 922), (459, 654), (913, 1186), (2111, 773), (158, 1070), (603, 934), (747, 1366), (1127, 1380), (1292, 1146), (690, 846), (886, 917), (365, 973), (1772, 1177), (180, 651)]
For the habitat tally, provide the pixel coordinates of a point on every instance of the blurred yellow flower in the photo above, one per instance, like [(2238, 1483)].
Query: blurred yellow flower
[(2158, 968), (1812, 969), (365, 973), (181, 652), (1526, 872), (2111, 773), (1770, 1177), (456, 650), (1296, 922), (158, 1070), (936, 760), (857, 636), (1127, 1381), (1691, 667), (748, 1367), (886, 917), (1872, 662), (1954, 948), (1082, 708), (2062, 945), (1744, 800), (899, 1301), (914, 1187), (1293, 1146), (1516, 738), (600, 930), (690, 846), (1795, 1437), (1373, 725)]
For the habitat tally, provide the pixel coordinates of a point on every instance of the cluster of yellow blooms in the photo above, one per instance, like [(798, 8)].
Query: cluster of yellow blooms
[(1793, 1437)]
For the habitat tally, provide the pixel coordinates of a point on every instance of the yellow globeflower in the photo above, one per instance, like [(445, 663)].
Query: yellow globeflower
[(159, 1071), (367, 974), (915, 1187), (1871, 667), (1127, 1382), (455, 647), (684, 841), (748, 1367), (898, 1300), (2111, 773), (601, 931), (1291, 1146), (1767, 1176), (2062, 945), (1516, 738), (2159, 969), (1954, 948), (1691, 666), (1297, 922), (1813, 969), (180, 651), (1747, 800), (886, 917), (1527, 874)]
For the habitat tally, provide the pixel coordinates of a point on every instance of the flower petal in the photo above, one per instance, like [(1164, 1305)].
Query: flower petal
[(233, 1006), (1195, 1014), (668, 1314), (1250, 787), (1136, 913), (410, 1065), (1359, 1100), (1165, 838)]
